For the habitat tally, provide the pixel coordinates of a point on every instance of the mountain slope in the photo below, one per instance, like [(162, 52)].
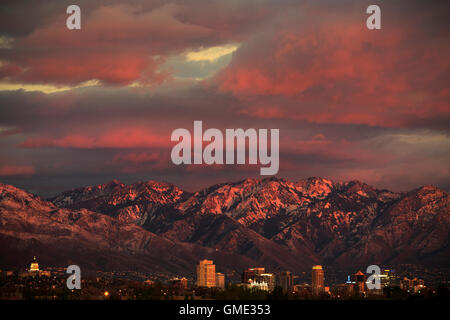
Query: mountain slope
[(30, 226), (294, 223)]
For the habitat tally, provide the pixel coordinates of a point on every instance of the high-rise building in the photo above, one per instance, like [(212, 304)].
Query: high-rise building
[(258, 278), (317, 280), (206, 274), (251, 273), (388, 278), (384, 278), (220, 280), (263, 281), (268, 278), (285, 281)]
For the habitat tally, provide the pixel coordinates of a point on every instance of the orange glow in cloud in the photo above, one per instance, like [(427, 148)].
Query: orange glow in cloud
[(119, 138), (14, 170)]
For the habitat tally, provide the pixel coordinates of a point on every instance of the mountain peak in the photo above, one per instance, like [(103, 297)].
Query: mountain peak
[(427, 192), (111, 184), (315, 187), (428, 188), (271, 220), (6, 188)]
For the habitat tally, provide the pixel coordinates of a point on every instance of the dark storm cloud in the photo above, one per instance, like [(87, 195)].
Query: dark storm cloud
[(350, 103), (103, 133), (120, 41)]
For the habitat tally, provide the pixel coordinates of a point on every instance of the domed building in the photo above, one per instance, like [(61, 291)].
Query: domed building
[(34, 267)]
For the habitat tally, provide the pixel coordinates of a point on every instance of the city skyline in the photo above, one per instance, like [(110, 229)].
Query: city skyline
[(356, 285), (249, 150), (155, 223)]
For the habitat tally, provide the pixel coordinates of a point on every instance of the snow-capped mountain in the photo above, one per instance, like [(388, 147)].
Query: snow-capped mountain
[(31, 226), (276, 221)]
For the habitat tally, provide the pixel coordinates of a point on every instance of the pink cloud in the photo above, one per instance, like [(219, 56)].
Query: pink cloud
[(118, 44), (115, 138), (113, 68), (16, 170), (338, 72)]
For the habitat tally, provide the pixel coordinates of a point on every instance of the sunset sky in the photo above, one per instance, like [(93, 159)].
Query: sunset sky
[(82, 107)]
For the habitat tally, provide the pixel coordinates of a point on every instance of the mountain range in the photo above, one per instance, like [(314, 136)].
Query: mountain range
[(276, 223)]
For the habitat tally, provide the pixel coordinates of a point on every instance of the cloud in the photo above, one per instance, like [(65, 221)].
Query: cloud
[(13, 170), (334, 70), (118, 138), (119, 43), (211, 54), (84, 107)]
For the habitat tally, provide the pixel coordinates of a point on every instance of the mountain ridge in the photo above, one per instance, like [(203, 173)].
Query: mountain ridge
[(272, 222), (315, 217)]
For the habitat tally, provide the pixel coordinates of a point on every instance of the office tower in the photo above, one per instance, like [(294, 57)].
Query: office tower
[(384, 278), (268, 278), (257, 278), (206, 274), (285, 281), (251, 273), (220, 280), (317, 280)]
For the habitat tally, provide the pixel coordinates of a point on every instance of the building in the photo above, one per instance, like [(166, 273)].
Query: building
[(258, 285), (285, 281), (179, 283), (359, 281), (318, 286), (34, 267), (206, 274), (384, 279), (45, 273), (302, 291), (339, 291), (258, 278), (264, 281), (268, 278), (34, 271), (387, 278), (412, 285), (9, 273), (220, 280), (251, 273), (302, 288)]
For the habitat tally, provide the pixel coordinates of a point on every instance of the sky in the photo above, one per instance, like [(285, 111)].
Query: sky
[(83, 107)]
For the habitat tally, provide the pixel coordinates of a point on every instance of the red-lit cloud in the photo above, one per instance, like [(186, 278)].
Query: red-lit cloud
[(14, 170), (350, 103), (332, 71), (117, 44), (119, 138)]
